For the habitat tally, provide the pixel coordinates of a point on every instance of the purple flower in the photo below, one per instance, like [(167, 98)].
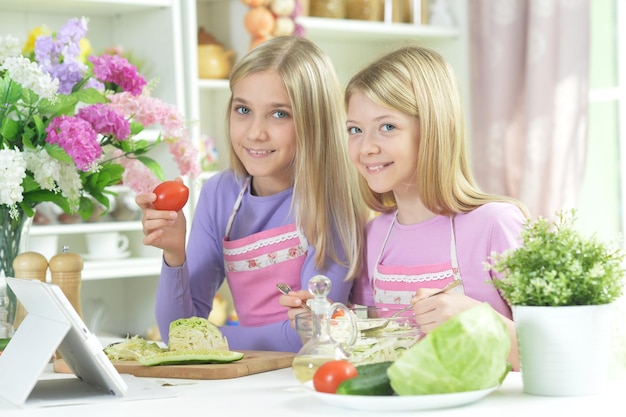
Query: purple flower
[(106, 120), (59, 57), (117, 70), (77, 138)]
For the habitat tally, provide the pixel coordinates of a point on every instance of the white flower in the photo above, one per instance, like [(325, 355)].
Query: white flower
[(30, 76), (55, 175), (12, 172), (9, 47), (45, 169)]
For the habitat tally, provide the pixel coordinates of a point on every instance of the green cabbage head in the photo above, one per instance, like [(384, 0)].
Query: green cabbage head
[(466, 353), (195, 333)]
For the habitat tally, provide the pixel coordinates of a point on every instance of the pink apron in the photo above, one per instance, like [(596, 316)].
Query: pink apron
[(255, 264), (394, 286)]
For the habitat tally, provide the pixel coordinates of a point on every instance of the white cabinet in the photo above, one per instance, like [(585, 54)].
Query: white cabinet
[(118, 294)]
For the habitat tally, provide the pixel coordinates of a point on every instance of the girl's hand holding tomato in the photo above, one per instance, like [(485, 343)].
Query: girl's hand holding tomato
[(165, 228)]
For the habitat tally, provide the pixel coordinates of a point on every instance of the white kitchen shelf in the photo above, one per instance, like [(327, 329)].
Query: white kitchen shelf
[(206, 84), (369, 31), (83, 228), (121, 268), (84, 7)]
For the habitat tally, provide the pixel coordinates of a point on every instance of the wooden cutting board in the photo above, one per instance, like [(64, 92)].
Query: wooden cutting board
[(253, 362)]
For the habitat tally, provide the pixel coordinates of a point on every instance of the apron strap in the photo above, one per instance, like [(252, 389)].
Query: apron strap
[(453, 260), (382, 247), (231, 219)]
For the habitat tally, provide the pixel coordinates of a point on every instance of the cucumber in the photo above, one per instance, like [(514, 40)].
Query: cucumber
[(372, 380), (190, 357), (4, 343)]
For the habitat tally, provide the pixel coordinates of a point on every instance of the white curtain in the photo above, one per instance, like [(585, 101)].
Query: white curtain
[(530, 65)]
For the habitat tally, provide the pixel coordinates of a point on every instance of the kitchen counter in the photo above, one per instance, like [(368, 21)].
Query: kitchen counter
[(280, 393)]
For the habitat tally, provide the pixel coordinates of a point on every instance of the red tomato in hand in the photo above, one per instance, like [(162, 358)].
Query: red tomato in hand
[(171, 195), (330, 374)]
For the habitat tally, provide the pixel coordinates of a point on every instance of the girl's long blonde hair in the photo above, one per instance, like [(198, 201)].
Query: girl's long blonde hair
[(327, 204), (418, 81)]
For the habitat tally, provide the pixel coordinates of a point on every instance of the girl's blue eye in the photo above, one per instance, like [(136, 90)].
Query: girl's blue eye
[(242, 110), (280, 114), (353, 130), (387, 127)]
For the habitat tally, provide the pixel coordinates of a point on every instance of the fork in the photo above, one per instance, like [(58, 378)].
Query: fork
[(285, 288)]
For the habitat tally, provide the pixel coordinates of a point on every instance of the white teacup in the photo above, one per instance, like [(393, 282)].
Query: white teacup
[(47, 245), (107, 244)]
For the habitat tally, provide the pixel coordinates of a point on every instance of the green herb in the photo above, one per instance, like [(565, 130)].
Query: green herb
[(558, 266)]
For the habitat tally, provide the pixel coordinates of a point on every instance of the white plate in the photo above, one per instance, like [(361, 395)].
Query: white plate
[(401, 402), (105, 256)]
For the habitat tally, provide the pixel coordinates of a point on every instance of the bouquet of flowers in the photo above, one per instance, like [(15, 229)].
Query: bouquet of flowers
[(69, 123)]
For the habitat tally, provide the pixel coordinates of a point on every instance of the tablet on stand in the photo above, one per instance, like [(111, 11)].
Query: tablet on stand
[(52, 324)]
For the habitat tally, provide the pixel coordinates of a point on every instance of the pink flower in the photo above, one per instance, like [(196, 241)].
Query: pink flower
[(117, 70), (77, 138), (186, 156), (136, 175), (106, 120), (149, 111)]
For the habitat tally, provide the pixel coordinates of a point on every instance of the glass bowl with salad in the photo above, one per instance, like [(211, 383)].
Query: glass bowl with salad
[(386, 343)]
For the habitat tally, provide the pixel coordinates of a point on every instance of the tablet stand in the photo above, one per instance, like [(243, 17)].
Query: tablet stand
[(28, 353), (51, 325)]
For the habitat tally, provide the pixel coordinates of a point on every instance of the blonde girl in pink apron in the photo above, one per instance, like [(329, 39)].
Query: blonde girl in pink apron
[(407, 139), (396, 285)]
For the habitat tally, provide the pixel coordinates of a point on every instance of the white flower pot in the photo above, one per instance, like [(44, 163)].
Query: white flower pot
[(564, 351)]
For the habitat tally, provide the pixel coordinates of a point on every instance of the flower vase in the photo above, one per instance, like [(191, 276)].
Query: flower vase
[(13, 240)]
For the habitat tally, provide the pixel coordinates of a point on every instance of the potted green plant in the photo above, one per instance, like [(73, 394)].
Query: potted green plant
[(561, 285)]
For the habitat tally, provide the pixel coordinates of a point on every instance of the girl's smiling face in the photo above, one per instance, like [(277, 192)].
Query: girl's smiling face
[(262, 131), (383, 144)]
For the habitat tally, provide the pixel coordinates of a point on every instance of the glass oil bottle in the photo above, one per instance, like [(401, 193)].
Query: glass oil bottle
[(321, 347)]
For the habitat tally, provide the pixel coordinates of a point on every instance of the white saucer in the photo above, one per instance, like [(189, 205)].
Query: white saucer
[(105, 256)]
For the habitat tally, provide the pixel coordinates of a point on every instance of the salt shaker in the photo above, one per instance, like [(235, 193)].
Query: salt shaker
[(65, 271), (28, 265)]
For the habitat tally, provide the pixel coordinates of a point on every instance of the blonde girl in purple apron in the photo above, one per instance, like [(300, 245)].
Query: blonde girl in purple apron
[(289, 176)]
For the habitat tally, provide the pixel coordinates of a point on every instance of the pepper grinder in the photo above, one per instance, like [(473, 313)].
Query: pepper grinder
[(65, 271), (28, 265)]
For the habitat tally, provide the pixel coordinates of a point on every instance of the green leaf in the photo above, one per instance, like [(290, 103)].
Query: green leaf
[(57, 152), (64, 105), (9, 129), (90, 96), (39, 196), (153, 166)]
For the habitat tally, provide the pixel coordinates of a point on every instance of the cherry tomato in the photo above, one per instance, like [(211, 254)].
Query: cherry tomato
[(330, 374), (338, 313), (171, 195)]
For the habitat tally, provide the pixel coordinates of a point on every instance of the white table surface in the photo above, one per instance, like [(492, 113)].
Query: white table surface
[(279, 392)]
